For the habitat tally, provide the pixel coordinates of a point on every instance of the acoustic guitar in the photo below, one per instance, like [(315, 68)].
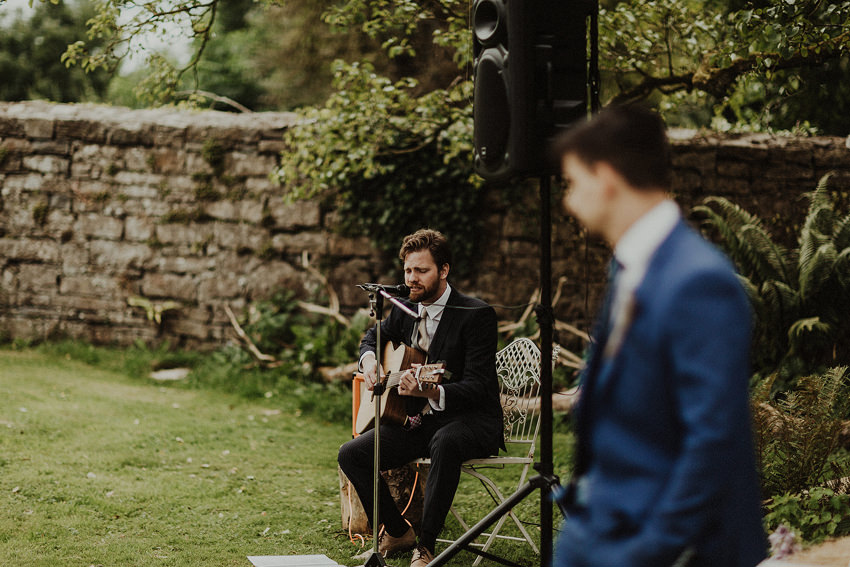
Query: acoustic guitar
[(397, 360)]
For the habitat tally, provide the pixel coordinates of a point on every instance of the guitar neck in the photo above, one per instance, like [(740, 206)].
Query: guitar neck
[(428, 376)]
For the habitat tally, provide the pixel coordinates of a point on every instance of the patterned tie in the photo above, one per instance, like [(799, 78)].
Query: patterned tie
[(424, 340), (607, 313)]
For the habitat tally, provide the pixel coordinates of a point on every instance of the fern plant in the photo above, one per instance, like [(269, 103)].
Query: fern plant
[(800, 297), (798, 435)]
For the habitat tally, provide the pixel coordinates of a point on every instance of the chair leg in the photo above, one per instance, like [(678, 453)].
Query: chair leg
[(494, 533), (464, 526), (459, 519)]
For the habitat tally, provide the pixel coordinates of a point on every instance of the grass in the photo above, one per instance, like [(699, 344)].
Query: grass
[(101, 468)]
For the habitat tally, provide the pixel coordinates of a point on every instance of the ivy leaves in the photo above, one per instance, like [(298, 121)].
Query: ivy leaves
[(389, 160), (367, 120)]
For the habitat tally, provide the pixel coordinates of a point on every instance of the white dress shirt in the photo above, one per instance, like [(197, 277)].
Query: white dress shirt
[(634, 252), (435, 313)]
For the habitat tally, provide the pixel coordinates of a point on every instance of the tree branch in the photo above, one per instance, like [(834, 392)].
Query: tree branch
[(216, 98), (718, 81), (644, 88)]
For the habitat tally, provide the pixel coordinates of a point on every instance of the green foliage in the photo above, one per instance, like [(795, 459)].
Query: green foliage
[(328, 343), (182, 216), (801, 399), (368, 121), (214, 153), (30, 50), (270, 323), (226, 67), (231, 369), (390, 161), (817, 514), (281, 328), (40, 212), (396, 23), (801, 296), (277, 56), (206, 191), (73, 350), (725, 61), (154, 311), (117, 29), (136, 361), (798, 435), (329, 402), (301, 343)]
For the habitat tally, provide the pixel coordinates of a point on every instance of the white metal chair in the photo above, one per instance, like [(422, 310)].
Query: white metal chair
[(518, 370)]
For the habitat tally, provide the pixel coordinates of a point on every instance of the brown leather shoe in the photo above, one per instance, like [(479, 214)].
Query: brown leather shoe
[(389, 545), (421, 557)]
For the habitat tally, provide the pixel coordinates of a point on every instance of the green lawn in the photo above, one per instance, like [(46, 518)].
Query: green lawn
[(100, 469)]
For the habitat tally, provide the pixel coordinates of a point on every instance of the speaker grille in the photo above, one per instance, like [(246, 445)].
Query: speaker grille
[(491, 110)]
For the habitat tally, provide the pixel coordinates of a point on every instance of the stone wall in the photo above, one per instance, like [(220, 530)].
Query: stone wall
[(109, 216)]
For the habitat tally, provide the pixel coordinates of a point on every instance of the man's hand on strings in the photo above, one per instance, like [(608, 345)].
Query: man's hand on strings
[(409, 386)]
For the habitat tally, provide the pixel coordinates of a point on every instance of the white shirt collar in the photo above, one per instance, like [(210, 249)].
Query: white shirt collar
[(435, 310), (636, 247)]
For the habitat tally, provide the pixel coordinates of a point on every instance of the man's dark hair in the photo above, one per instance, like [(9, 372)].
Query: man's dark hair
[(631, 138), (427, 239)]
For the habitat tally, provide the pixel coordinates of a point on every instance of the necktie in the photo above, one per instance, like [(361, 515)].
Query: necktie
[(606, 315), (424, 340)]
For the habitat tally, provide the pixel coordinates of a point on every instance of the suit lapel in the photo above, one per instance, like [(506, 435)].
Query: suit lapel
[(408, 324), (651, 285), (590, 384), (447, 322), (602, 372), (600, 334)]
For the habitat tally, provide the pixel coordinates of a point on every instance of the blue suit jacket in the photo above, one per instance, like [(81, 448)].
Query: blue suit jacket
[(665, 441)]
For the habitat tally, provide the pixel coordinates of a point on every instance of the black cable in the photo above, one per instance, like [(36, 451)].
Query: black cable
[(507, 307)]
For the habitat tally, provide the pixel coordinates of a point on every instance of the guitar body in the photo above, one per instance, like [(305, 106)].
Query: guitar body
[(396, 359)]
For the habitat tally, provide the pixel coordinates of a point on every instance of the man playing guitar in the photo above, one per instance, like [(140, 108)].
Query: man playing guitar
[(462, 418)]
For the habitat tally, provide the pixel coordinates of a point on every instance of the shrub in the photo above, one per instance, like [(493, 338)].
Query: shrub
[(816, 514), (798, 435), (800, 297)]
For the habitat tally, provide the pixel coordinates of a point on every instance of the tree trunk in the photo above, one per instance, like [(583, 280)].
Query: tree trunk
[(402, 483)]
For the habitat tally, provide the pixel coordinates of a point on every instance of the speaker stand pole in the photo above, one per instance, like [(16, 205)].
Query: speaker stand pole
[(545, 320), (548, 484)]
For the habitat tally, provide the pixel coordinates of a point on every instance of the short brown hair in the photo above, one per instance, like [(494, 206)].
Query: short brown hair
[(630, 138), (427, 239)]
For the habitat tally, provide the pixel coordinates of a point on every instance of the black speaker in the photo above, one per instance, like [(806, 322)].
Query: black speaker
[(531, 80)]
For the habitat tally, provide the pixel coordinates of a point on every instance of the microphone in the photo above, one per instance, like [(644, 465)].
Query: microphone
[(400, 290)]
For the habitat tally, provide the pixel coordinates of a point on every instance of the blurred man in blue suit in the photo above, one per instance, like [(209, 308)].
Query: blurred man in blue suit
[(665, 468)]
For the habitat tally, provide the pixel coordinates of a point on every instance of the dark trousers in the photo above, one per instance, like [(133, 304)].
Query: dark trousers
[(448, 446)]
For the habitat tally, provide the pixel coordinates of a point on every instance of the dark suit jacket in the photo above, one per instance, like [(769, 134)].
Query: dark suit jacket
[(466, 341), (665, 440)]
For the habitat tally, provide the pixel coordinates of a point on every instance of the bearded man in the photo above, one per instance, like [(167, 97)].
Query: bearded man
[(461, 419)]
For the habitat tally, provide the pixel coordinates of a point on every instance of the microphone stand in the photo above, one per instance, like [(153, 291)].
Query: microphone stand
[(377, 305)]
